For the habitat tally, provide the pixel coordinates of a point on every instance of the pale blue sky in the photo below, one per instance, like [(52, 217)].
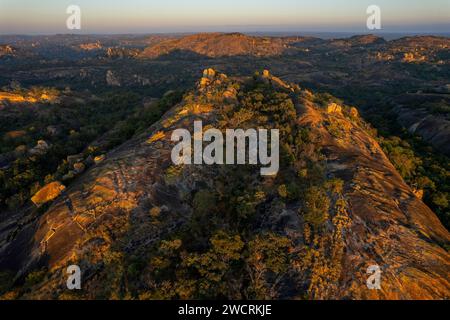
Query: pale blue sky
[(114, 16)]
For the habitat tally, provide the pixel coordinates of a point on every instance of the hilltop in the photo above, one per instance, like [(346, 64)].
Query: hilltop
[(220, 45)]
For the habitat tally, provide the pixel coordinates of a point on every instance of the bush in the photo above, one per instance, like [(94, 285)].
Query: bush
[(268, 260), (315, 206), (215, 267), (204, 201), (35, 277), (441, 200)]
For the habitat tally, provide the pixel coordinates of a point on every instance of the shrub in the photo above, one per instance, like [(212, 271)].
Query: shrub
[(204, 201), (316, 205), (268, 260), (35, 277), (282, 191), (335, 185), (440, 199)]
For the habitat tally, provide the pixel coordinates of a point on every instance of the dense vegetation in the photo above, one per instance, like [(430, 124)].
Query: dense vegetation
[(422, 167), (67, 128)]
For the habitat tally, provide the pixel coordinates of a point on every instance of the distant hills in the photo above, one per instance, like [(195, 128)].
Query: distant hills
[(220, 45)]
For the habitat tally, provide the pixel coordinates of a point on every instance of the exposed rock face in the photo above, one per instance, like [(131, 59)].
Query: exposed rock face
[(28, 98), (386, 224), (6, 50), (48, 193), (354, 113), (120, 53), (16, 98), (208, 76), (209, 73), (334, 108), (277, 82), (410, 57), (111, 79), (230, 93), (41, 148), (390, 227), (91, 46), (418, 193), (434, 129), (100, 159)]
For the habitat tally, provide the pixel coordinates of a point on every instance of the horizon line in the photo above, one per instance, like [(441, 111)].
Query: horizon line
[(144, 33)]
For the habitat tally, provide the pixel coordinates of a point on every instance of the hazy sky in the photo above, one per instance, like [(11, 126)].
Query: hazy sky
[(145, 16)]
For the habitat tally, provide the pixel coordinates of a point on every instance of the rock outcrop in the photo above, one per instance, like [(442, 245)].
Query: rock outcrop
[(434, 129), (6, 50), (334, 108), (41, 148), (91, 46), (112, 79), (48, 193)]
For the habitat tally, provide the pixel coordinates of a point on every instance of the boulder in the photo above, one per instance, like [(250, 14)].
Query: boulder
[(208, 77), (268, 78), (419, 193), (41, 148), (79, 167), (209, 73), (354, 113), (334, 108), (204, 82), (48, 193), (99, 159), (230, 93), (111, 79)]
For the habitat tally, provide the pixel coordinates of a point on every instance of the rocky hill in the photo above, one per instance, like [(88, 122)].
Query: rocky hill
[(6, 50), (426, 114), (423, 42), (220, 45), (363, 41), (140, 227)]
